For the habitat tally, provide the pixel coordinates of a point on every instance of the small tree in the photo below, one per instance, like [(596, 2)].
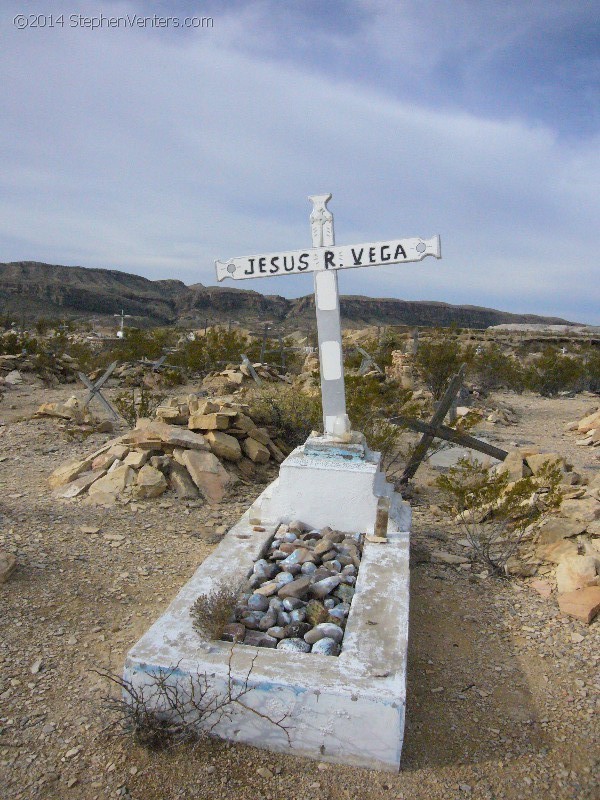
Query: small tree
[(493, 369), (494, 512), (554, 372), (436, 361), (591, 371)]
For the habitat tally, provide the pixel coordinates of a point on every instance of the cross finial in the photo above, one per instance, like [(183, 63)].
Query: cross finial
[(321, 220)]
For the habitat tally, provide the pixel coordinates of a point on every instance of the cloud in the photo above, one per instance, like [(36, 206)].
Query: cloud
[(157, 153)]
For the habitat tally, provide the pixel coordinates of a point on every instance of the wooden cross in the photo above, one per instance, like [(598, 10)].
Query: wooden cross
[(95, 390), (247, 363), (435, 429), (324, 259), (154, 365), (368, 363)]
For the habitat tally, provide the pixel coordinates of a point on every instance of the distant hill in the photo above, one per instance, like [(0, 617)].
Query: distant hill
[(32, 290)]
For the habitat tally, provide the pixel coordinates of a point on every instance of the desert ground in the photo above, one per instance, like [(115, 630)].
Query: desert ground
[(503, 691)]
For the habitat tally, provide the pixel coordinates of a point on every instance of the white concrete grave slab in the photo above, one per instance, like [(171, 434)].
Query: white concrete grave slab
[(347, 709)]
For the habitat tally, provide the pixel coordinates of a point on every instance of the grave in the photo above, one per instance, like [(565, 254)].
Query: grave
[(345, 709)]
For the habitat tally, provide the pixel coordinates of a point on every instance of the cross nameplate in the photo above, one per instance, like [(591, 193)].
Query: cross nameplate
[(324, 259)]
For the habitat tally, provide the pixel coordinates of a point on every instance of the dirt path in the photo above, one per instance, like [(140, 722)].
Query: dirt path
[(503, 692)]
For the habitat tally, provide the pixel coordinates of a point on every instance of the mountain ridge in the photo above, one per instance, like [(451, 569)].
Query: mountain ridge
[(32, 289)]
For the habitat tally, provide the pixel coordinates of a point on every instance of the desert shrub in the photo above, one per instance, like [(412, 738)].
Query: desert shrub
[(14, 343), (212, 611), (591, 370), (292, 414), (494, 512), (87, 358), (380, 349), (138, 344), (134, 404), (493, 369), (437, 360), (212, 351), (554, 372), (370, 402)]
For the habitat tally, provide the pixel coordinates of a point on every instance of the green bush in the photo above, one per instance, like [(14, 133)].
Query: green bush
[(591, 370), (437, 360), (292, 414), (370, 403), (212, 351), (136, 404), (493, 512), (139, 344), (493, 369), (554, 372), (13, 343)]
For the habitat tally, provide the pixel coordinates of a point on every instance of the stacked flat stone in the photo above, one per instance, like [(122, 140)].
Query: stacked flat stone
[(195, 448), (299, 594)]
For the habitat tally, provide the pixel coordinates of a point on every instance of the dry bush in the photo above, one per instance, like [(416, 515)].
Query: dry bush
[(437, 360), (169, 711), (211, 612), (494, 512), (137, 404)]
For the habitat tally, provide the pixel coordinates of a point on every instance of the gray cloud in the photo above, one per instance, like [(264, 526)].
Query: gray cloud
[(158, 153)]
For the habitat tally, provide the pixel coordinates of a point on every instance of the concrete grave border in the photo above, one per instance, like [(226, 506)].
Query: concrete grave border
[(347, 709)]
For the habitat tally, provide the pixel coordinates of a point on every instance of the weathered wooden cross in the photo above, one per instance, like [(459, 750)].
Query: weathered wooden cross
[(324, 259), (95, 389), (368, 363), (435, 429)]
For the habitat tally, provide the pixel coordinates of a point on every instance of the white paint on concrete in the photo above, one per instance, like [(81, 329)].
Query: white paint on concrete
[(348, 709), (341, 492)]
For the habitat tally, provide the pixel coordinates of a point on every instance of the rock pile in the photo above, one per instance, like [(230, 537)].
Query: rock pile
[(298, 596), (567, 542), (588, 428), (235, 376), (53, 369), (73, 412), (157, 456)]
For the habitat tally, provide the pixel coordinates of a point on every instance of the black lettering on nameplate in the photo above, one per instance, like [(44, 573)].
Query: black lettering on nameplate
[(400, 251), (329, 256), (357, 258)]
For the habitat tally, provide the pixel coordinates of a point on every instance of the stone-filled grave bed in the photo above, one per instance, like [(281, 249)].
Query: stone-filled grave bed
[(298, 596)]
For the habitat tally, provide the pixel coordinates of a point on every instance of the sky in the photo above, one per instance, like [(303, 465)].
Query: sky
[(156, 150)]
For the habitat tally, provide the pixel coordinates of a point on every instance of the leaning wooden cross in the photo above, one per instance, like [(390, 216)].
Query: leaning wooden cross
[(324, 259), (435, 429)]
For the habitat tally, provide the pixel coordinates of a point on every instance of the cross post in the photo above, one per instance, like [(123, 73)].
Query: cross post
[(329, 328)]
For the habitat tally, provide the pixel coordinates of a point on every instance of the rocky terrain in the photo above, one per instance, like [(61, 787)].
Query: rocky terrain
[(50, 290), (503, 688)]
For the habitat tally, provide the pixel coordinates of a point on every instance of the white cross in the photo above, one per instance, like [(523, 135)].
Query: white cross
[(325, 259), (123, 316)]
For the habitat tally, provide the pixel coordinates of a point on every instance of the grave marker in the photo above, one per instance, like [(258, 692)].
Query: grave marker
[(94, 389), (324, 259)]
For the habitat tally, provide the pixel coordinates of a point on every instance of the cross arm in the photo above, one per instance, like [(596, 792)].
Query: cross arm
[(451, 435), (321, 259)]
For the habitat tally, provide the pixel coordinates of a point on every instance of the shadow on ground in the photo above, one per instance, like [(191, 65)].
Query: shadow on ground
[(468, 699)]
